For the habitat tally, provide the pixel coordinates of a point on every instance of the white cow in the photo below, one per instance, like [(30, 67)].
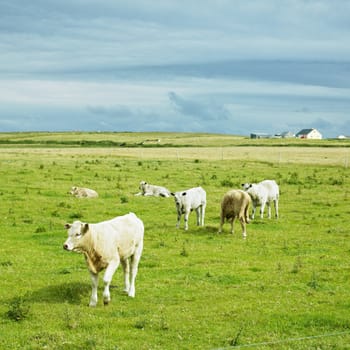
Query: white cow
[(152, 190), (263, 193), (191, 199), (82, 192), (105, 245)]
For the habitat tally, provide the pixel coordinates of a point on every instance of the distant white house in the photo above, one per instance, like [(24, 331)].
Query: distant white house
[(312, 134)]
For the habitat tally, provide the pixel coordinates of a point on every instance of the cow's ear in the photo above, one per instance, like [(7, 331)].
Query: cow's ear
[(250, 185), (172, 193), (67, 226), (242, 185), (84, 228), (184, 193)]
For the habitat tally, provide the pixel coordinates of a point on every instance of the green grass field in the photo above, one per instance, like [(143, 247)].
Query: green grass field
[(285, 287)]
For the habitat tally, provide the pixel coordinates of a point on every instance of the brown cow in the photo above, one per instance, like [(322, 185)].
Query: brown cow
[(235, 204)]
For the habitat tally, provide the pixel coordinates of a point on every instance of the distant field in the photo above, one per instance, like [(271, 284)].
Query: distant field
[(304, 155), (154, 139), (131, 139), (285, 287), (179, 146)]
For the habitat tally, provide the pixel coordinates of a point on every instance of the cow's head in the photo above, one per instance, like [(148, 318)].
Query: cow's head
[(178, 198), (246, 186), (76, 232), (142, 185), (73, 190)]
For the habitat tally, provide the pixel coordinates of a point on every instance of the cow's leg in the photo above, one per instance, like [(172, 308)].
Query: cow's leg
[(276, 207), (253, 211), (262, 208), (198, 213), (178, 219), (268, 209), (126, 269), (202, 214), (243, 225), (232, 221), (94, 284), (107, 278), (246, 214), (134, 268), (186, 215)]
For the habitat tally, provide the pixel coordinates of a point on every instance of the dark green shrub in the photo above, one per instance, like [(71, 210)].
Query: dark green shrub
[(18, 310), (124, 199), (76, 216), (40, 229), (227, 183)]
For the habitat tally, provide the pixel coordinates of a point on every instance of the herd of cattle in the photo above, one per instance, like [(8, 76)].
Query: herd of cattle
[(107, 244)]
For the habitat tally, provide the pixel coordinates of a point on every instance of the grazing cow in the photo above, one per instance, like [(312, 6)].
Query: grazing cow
[(152, 190), (235, 204), (81, 192), (105, 245), (263, 193), (191, 199)]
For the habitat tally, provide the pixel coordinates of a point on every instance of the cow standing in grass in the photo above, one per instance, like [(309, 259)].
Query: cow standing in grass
[(263, 193), (105, 245), (235, 205), (191, 199)]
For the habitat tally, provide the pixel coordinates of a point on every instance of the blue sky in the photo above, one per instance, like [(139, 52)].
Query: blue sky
[(223, 66)]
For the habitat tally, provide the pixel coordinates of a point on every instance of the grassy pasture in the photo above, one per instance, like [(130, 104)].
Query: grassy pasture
[(195, 290)]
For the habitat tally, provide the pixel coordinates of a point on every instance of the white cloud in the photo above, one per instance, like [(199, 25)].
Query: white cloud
[(156, 92)]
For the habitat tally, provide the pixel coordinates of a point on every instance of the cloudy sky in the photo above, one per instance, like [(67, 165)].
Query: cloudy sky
[(223, 66)]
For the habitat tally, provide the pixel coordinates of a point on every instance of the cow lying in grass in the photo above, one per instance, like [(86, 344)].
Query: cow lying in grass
[(82, 192), (263, 193), (152, 190), (105, 245)]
